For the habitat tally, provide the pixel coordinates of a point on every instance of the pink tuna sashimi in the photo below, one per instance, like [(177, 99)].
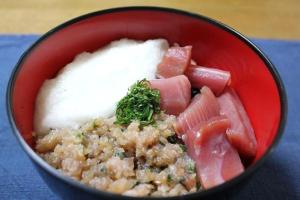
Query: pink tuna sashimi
[(175, 93), (202, 108), (241, 134), (216, 160), (215, 79), (174, 62)]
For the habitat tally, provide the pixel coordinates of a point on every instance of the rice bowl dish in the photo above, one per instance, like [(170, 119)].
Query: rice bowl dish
[(168, 127)]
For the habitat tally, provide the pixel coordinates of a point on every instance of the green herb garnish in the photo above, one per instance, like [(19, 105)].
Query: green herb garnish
[(169, 178), (79, 135), (120, 154), (183, 147), (103, 169), (191, 167), (140, 103)]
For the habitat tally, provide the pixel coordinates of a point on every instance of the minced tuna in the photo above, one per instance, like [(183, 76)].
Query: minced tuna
[(130, 160)]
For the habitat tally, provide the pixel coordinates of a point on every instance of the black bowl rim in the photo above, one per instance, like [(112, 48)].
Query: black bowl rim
[(41, 163)]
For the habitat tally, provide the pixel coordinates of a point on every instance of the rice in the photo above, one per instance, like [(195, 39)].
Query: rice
[(128, 160)]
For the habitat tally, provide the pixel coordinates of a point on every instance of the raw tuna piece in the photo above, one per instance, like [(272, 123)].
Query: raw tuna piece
[(241, 134), (175, 62), (216, 160), (202, 108), (215, 79), (175, 93)]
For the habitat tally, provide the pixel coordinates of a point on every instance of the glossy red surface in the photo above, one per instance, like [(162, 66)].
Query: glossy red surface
[(212, 47)]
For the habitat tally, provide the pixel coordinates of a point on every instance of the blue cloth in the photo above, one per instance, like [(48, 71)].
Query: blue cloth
[(278, 178)]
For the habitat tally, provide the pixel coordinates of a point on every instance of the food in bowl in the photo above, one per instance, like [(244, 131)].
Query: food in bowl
[(93, 83), (159, 139), (128, 160)]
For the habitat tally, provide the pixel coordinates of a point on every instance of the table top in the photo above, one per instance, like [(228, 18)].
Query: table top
[(278, 178), (255, 18)]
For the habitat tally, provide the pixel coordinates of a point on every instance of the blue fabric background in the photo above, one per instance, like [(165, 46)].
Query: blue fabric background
[(279, 178)]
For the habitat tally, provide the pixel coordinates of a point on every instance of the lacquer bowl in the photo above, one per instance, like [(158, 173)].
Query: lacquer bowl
[(254, 78)]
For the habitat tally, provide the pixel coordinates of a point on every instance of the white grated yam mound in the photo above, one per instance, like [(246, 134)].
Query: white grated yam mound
[(91, 85)]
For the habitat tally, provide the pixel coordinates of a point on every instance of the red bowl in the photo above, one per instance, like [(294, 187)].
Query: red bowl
[(214, 44)]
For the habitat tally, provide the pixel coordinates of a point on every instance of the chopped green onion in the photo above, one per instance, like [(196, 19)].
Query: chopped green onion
[(140, 104)]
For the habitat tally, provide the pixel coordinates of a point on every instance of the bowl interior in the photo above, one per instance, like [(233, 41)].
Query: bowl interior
[(212, 46)]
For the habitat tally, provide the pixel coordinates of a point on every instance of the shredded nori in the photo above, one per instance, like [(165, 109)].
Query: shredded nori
[(140, 104), (174, 139), (195, 91)]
